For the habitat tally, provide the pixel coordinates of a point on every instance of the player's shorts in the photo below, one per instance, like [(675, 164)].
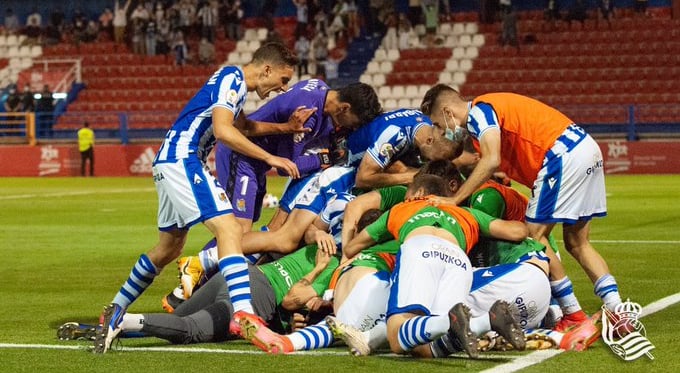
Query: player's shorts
[(365, 305), (245, 181), (332, 181), (294, 189), (525, 286), (430, 277), (570, 185), (187, 194)]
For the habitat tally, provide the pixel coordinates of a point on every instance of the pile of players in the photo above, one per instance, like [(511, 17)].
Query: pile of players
[(393, 229)]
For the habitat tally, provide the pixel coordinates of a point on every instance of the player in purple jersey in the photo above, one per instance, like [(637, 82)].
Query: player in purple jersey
[(188, 193)]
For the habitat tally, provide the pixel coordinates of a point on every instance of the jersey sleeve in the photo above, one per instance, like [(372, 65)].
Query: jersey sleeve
[(482, 118), (228, 89), (392, 141), (483, 219), (321, 282), (490, 201), (378, 229), (390, 196)]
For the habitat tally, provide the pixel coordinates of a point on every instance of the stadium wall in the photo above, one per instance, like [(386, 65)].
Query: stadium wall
[(620, 156)]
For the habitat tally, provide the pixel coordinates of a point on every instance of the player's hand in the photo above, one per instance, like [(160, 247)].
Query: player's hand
[(298, 119), (284, 164), (436, 201), (325, 158), (326, 248), (316, 303), (298, 321)]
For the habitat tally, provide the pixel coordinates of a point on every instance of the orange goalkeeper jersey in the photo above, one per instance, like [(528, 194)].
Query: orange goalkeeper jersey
[(529, 128)]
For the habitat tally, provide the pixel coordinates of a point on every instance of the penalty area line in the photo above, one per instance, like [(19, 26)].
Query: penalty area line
[(538, 357)]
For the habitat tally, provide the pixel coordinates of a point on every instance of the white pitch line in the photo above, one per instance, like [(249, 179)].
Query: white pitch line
[(538, 357), (78, 193)]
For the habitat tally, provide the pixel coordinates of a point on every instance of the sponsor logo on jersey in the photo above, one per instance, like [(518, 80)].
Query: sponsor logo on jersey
[(197, 179), (232, 97), (387, 150), (283, 273), (551, 182), (446, 258), (597, 164), (487, 273), (526, 311)]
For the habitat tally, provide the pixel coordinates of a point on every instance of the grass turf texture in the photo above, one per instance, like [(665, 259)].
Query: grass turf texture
[(69, 243)]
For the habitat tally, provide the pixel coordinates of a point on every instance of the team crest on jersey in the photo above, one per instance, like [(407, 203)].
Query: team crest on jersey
[(419, 119), (232, 97), (241, 204), (223, 197), (387, 150)]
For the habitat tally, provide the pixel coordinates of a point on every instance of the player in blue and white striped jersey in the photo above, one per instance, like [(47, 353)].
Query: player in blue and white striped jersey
[(189, 194), (372, 149)]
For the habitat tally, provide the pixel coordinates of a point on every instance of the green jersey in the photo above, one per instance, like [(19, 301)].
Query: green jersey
[(285, 272), (489, 252), (379, 257), (390, 196)]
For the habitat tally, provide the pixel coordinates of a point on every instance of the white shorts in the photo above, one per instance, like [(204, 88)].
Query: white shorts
[(367, 302), (523, 285), (570, 186), (294, 190), (430, 277), (187, 194)]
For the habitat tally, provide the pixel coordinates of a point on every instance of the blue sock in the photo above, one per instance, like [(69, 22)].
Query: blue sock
[(140, 278), (235, 272), (563, 291), (312, 337), (607, 289), (420, 330)]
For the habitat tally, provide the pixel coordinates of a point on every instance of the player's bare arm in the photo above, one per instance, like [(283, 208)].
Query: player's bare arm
[(227, 133), (371, 175), (295, 124), (508, 230), (317, 233), (354, 210), (361, 241)]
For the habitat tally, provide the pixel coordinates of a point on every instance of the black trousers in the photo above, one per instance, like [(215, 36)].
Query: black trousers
[(84, 156)]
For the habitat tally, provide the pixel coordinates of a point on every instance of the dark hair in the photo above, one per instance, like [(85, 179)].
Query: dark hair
[(363, 100), (442, 168), (430, 101), (367, 218), (276, 54), (430, 184), (86, 124)]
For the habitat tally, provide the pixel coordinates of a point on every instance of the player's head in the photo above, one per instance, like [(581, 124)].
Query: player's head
[(424, 185), (353, 105), (468, 159), (367, 218), (445, 169), (433, 144), (274, 64), (447, 109)]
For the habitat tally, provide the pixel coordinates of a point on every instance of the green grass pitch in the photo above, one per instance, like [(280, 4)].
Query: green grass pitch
[(67, 245)]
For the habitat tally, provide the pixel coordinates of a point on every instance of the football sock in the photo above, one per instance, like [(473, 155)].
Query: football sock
[(312, 337), (563, 291), (208, 258), (132, 322), (235, 272), (480, 325), (140, 278), (444, 346), (420, 330), (607, 289)]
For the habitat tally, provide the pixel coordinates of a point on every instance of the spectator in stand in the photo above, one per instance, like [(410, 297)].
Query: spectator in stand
[(302, 17), (45, 111), (509, 25), (106, 22), (150, 38), (11, 22), (431, 12), (91, 32), (320, 46), (13, 101), (268, 10), (52, 34), (34, 18), (577, 12), (302, 47), (138, 46), (606, 10), (353, 22), (232, 14), (373, 24), (641, 7), (206, 52), (120, 21), (140, 13), (552, 14), (158, 13), (404, 31), (57, 19), (179, 47), (33, 31), (78, 24), (208, 17), (187, 12), (86, 148), (27, 99), (415, 12), (391, 40), (163, 40)]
